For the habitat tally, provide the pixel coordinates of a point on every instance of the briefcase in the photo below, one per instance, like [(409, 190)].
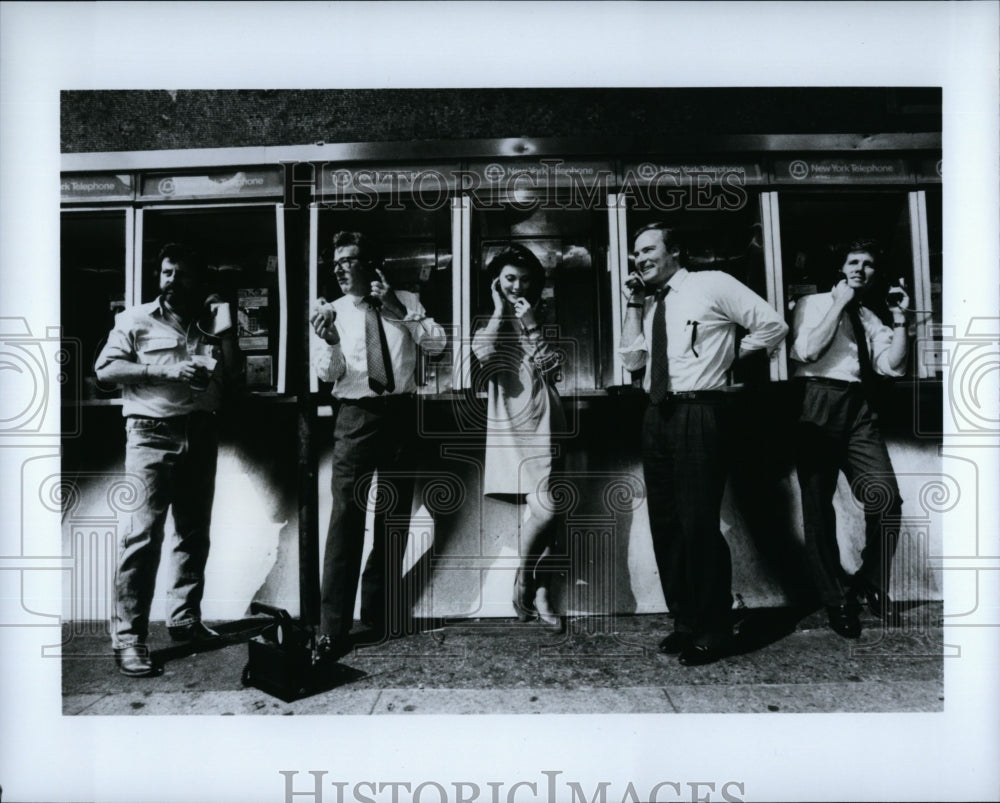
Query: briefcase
[(280, 660)]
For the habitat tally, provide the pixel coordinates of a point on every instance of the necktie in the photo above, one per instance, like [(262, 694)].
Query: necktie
[(380, 377), (864, 357), (659, 374)]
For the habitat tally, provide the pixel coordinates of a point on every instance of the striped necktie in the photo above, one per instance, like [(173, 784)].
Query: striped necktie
[(659, 373), (380, 378)]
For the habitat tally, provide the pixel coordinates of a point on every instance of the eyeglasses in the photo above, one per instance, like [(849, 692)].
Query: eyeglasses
[(347, 262)]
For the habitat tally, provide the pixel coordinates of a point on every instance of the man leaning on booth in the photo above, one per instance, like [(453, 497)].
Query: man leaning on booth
[(173, 358), (840, 346), (366, 344), (682, 326)]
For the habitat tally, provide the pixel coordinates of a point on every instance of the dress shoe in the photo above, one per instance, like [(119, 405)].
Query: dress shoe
[(196, 631), (134, 661), (876, 599), (701, 654), (676, 643), (330, 649), (844, 620)]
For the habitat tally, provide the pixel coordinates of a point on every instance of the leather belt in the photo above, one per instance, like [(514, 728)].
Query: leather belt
[(833, 383), (698, 395), (181, 417), (380, 402)]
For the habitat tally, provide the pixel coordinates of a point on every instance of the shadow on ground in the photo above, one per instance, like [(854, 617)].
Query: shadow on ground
[(786, 660)]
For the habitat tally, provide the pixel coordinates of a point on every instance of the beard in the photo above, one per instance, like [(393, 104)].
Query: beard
[(183, 302)]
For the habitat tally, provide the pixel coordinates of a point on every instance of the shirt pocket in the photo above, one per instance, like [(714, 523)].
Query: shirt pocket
[(159, 349)]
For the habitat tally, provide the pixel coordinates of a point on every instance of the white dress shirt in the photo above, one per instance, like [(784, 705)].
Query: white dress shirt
[(840, 360), (346, 364), (702, 313)]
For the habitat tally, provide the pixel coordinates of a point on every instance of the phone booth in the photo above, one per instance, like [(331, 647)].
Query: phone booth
[(558, 210), (824, 201), (927, 209), (720, 210), (232, 221), (96, 242), (112, 228), (96, 251), (408, 214)]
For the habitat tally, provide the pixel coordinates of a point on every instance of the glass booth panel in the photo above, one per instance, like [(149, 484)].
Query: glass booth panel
[(93, 255), (413, 245), (935, 261), (240, 247), (572, 246), (814, 225)]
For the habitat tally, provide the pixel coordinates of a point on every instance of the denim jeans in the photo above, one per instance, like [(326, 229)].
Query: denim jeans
[(175, 459)]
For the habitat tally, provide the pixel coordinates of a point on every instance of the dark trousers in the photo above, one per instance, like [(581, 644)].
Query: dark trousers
[(369, 435), (837, 431), (685, 463)]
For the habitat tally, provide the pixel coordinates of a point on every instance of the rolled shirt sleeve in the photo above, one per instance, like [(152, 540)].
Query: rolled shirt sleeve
[(806, 315), (634, 354), (118, 347), (143, 336), (879, 341), (427, 333), (839, 358)]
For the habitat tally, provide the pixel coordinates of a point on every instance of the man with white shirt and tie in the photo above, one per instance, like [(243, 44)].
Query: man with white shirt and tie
[(840, 345), (366, 345), (683, 327)]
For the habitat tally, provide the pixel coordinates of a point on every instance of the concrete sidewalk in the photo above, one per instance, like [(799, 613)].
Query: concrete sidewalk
[(788, 661)]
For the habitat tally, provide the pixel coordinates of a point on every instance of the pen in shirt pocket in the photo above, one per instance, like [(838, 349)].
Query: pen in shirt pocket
[(694, 335)]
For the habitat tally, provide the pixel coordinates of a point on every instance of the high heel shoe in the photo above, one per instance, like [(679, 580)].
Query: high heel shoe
[(546, 618), (524, 598)]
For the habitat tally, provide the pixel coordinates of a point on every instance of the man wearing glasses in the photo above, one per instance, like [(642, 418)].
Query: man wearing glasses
[(366, 345)]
